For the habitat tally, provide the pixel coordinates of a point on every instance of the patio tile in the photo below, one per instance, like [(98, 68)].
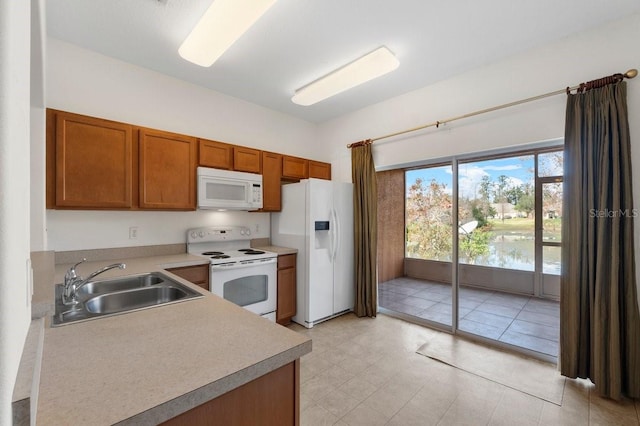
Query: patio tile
[(444, 308), (394, 288), (438, 317), (476, 293), (468, 303), (508, 300), (489, 319), (505, 311), (547, 307), (418, 302), (485, 330), (530, 342), (405, 309), (391, 297), (537, 330), (538, 318), (430, 295)]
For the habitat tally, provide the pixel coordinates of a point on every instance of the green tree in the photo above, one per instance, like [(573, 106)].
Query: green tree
[(527, 202), (428, 215)]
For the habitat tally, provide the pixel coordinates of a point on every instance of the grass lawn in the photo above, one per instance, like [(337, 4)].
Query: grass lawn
[(517, 224), (552, 227)]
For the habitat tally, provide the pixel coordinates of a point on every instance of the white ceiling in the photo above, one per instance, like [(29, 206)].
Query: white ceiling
[(298, 41)]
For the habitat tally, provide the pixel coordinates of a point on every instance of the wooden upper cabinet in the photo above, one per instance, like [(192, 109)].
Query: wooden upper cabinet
[(167, 170), (319, 170), (247, 159), (215, 154), (295, 167), (90, 162), (271, 186)]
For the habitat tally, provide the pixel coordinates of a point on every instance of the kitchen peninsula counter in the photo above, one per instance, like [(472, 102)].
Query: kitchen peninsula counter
[(149, 366)]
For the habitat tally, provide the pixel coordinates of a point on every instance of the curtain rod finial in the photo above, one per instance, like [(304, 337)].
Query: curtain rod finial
[(631, 73)]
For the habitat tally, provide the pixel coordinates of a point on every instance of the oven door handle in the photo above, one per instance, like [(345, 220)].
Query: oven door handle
[(245, 265)]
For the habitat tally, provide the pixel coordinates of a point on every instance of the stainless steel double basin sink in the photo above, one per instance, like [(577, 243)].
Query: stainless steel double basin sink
[(120, 295)]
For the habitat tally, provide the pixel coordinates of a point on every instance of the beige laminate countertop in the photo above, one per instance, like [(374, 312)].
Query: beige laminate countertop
[(148, 366), (279, 250)]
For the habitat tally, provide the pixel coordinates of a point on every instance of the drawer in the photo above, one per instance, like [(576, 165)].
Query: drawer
[(195, 274), (286, 261)]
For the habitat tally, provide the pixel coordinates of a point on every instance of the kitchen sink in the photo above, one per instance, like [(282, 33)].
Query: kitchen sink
[(121, 295), (127, 300), (122, 283)]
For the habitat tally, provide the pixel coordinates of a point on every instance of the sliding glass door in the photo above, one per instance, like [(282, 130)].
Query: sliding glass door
[(482, 248)]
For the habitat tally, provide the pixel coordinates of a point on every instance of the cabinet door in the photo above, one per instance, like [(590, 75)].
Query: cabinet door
[(247, 159), (199, 274), (214, 154), (295, 168), (286, 308), (271, 186), (319, 170), (167, 171), (93, 162)]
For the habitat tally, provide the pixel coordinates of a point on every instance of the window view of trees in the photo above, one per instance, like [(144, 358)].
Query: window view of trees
[(428, 213), (496, 209)]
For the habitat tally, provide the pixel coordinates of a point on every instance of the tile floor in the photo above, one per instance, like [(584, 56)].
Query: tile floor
[(528, 322), (364, 371)]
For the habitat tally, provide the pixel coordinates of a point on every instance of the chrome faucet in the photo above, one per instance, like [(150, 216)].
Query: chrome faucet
[(73, 282)]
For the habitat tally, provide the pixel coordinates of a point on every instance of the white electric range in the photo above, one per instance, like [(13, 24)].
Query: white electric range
[(238, 273)]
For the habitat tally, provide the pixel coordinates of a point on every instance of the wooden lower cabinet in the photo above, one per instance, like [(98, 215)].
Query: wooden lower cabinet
[(286, 307), (269, 400), (198, 275)]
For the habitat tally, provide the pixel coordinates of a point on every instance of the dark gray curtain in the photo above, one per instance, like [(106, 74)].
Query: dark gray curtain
[(599, 321), (365, 222)]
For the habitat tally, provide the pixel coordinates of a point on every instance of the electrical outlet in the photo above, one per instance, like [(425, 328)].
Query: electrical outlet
[(133, 232)]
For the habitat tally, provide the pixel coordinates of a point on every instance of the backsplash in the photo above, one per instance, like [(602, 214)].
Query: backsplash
[(74, 256), (69, 230)]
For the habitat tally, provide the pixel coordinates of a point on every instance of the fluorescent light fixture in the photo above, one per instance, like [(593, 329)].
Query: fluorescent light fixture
[(373, 65), (222, 24)]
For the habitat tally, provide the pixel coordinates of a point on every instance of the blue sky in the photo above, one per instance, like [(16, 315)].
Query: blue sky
[(518, 169)]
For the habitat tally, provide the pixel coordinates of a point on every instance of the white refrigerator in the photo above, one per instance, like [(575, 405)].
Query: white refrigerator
[(317, 219)]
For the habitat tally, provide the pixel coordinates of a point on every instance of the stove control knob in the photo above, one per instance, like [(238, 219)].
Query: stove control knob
[(247, 231), (201, 234), (194, 234)]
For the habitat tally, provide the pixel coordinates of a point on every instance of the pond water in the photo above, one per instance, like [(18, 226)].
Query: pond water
[(516, 250)]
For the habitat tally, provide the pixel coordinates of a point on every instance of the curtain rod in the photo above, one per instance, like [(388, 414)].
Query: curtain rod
[(582, 87)]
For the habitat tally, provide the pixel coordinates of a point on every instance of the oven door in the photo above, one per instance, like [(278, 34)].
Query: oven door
[(251, 285)]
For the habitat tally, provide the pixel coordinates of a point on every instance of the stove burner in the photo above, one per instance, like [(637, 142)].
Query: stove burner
[(245, 249), (221, 256), (212, 253), (253, 252)]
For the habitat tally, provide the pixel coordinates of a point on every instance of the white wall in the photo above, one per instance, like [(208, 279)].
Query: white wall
[(38, 125), (607, 50), (583, 57), (84, 82), (14, 189), (77, 230)]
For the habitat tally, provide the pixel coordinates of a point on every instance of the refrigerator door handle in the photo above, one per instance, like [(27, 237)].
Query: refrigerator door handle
[(331, 235), (337, 234)]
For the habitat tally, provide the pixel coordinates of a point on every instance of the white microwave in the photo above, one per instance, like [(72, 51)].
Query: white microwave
[(228, 190)]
